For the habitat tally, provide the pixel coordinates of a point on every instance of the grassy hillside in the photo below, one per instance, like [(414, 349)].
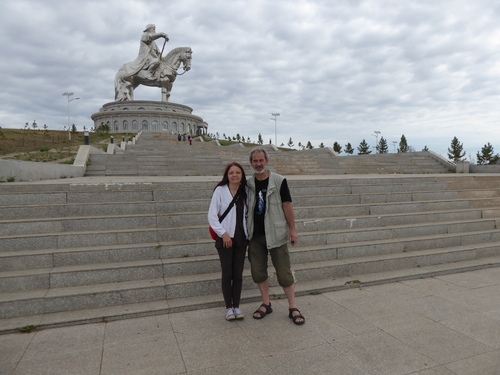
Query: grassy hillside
[(47, 145)]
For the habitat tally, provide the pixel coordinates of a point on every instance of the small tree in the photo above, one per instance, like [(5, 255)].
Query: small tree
[(487, 156), (337, 148), (259, 139), (364, 148), (425, 148), (382, 147), (45, 132), (25, 130), (32, 131), (290, 142), (309, 146), (103, 128), (348, 149), (456, 152), (321, 145), (403, 145)]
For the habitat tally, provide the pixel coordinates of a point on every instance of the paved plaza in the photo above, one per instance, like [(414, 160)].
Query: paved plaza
[(446, 325)]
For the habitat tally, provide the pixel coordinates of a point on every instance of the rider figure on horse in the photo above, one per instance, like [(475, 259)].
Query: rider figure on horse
[(149, 55), (148, 51)]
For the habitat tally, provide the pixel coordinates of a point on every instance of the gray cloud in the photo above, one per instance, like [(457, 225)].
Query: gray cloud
[(335, 71)]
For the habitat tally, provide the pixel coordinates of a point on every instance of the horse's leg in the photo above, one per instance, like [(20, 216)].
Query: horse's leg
[(131, 85), (165, 94), (120, 88), (166, 86)]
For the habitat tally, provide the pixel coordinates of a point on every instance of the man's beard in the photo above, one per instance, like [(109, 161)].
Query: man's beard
[(261, 171)]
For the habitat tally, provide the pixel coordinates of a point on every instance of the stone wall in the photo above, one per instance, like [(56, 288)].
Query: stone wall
[(15, 170), (484, 169)]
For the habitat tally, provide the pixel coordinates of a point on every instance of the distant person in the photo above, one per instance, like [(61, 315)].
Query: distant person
[(179, 138), (271, 224), (190, 140), (231, 243)]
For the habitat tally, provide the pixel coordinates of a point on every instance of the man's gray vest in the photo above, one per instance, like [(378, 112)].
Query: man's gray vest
[(275, 224)]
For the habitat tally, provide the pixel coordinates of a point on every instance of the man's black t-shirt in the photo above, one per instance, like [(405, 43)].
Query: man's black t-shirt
[(260, 203)]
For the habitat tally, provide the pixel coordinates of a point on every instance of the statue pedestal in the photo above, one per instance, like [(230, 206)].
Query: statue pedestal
[(149, 116)]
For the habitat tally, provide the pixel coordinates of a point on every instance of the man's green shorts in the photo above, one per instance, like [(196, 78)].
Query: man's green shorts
[(258, 255)]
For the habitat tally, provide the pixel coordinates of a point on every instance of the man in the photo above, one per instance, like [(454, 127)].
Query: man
[(148, 50), (271, 224), (149, 55)]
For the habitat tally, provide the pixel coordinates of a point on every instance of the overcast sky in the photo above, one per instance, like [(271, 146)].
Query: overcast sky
[(335, 70)]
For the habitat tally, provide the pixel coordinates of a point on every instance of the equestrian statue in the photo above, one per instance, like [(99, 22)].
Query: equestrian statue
[(150, 68)]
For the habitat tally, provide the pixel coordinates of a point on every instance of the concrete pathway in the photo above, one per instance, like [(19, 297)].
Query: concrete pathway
[(444, 325)]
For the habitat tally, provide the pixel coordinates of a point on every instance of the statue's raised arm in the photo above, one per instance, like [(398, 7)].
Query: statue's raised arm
[(150, 68)]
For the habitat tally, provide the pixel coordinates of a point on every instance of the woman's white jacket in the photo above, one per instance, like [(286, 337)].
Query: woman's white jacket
[(221, 199)]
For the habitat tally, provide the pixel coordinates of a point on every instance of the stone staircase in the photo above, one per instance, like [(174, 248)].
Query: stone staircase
[(97, 249), (160, 154)]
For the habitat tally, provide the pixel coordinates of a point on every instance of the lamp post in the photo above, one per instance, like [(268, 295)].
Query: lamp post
[(275, 128), (68, 94), (394, 143), (376, 135)]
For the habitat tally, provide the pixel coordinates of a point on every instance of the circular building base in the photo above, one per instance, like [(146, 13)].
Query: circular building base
[(148, 115)]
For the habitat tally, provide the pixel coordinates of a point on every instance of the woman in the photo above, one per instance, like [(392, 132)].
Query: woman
[(231, 242)]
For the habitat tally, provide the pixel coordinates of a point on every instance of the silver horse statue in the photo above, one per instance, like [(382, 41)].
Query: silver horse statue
[(128, 77)]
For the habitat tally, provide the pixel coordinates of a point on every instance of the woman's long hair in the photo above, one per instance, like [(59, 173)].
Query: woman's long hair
[(243, 184)]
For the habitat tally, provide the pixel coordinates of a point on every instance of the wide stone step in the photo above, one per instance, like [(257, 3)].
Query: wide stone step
[(76, 298), (157, 231), (35, 199), (456, 182), (61, 225), (345, 247), (61, 211), (151, 308), (176, 211), (52, 300), (172, 201), (50, 258)]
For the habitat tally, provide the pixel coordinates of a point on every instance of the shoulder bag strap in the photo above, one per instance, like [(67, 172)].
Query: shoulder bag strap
[(228, 208)]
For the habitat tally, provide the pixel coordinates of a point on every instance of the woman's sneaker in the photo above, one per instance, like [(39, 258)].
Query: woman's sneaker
[(238, 314), (230, 314)]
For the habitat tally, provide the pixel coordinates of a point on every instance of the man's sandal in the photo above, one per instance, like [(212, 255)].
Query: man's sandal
[(296, 317), (261, 313)]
